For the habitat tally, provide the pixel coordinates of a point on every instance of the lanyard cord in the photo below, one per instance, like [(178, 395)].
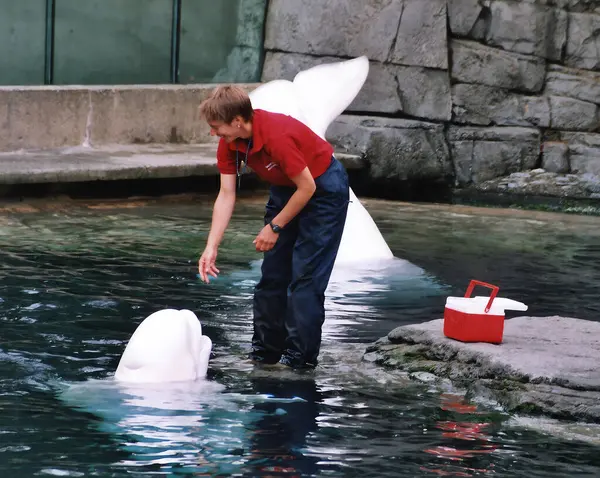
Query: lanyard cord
[(245, 163)]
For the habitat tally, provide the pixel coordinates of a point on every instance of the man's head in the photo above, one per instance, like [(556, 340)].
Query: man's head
[(228, 111)]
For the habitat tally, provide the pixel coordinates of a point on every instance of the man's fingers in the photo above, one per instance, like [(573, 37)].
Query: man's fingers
[(204, 269), (213, 271)]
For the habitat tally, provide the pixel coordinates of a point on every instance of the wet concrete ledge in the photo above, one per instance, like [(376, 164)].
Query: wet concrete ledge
[(545, 366)]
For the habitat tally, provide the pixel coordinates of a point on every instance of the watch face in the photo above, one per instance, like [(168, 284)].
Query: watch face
[(275, 228)]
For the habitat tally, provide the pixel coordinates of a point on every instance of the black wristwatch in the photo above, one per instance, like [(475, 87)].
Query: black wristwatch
[(276, 228)]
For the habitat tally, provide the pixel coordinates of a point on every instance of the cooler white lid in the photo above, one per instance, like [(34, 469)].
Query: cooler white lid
[(477, 305)]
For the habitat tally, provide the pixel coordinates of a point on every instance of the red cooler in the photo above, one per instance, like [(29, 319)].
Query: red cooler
[(477, 319)]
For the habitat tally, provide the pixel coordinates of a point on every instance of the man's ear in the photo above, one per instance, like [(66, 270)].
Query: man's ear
[(237, 121)]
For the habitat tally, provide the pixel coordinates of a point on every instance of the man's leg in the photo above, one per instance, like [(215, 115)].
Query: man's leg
[(320, 228), (270, 294)]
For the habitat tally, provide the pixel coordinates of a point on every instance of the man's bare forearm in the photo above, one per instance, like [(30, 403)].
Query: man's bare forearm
[(293, 207), (222, 211)]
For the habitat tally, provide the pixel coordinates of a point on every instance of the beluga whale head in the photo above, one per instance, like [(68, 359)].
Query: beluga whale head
[(168, 346), (316, 97)]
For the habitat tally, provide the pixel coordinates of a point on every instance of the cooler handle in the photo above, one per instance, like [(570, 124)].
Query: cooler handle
[(493, 295)]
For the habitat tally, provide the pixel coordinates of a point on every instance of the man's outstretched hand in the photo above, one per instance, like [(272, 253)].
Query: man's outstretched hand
[(206, 264)]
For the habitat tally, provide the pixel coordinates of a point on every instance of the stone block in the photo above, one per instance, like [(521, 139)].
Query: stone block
[(412, 90), (527, 28), (476, 63), (481, 154), (421, 38), (487, 106), (555, 157), (345, 28), (570, 5), (394, 149), (586, 164), (572, 114), (584, 152), (463, 16), (583, 42), (574, 83), (590, 6)]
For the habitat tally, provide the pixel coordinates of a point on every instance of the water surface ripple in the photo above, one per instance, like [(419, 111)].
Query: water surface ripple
[(76, 279)]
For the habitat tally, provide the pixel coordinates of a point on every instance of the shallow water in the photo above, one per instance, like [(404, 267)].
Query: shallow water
[(76, 279)]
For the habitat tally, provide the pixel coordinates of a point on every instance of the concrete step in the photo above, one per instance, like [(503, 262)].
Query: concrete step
[(118, 162)]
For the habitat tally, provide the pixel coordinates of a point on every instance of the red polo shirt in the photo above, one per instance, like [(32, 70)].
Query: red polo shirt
[(282, 147)]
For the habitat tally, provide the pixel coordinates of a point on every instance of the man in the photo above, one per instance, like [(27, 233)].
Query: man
[(304, 221)]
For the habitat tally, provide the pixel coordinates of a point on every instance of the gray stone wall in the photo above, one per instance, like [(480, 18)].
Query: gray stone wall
[(462, 91)]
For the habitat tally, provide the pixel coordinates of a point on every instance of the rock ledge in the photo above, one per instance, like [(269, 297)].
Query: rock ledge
[(545, 365)]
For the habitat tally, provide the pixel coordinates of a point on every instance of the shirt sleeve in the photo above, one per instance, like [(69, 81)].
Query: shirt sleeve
[(285, 152), (225, 159)]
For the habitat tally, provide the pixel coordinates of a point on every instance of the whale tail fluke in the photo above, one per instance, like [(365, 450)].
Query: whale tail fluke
[(277, 96), (326, 90), (316, 97)]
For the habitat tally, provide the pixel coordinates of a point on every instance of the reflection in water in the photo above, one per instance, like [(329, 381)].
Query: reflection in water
[(357, 297), (196, 424), (473, 432), (277, 440)]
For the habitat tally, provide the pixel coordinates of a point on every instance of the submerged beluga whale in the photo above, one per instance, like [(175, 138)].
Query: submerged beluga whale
[(316, 97)]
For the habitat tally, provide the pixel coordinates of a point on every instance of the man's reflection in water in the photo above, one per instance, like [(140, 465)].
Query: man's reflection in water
[(278, 438)]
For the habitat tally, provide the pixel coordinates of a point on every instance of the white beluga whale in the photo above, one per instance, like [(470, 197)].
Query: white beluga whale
[(168, 346), (316, 97)]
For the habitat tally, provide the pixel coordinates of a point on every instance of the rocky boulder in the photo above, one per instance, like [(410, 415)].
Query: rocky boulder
[(544, 366)]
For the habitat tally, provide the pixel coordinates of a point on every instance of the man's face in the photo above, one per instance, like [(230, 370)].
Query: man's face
[(229, 132)]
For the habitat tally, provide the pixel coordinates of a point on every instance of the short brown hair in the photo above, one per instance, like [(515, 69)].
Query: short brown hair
[(225, 103)]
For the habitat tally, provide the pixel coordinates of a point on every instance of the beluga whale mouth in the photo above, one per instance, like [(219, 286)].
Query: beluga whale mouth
[(316, 97), (168, 346)]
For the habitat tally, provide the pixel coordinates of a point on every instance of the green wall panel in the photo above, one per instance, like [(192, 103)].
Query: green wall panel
[(22, 41), (221, 41), (130, 41), (112, 41)]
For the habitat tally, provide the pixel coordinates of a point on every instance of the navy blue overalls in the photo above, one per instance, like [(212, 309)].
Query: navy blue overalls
[(289, 308)]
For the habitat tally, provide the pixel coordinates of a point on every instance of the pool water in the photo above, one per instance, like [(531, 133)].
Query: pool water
[(77, 278)]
